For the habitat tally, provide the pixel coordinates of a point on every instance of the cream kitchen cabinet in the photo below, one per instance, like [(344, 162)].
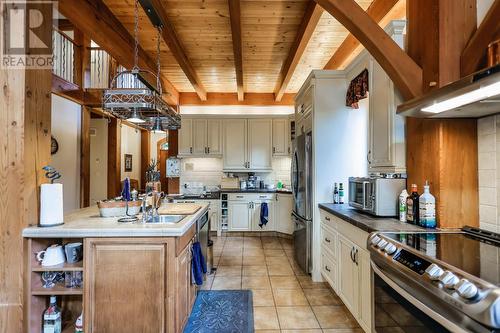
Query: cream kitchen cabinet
[(200, 137), (283, 213), (247, 144), (255, 208), (239, 216), (244, 211), (281, 137)]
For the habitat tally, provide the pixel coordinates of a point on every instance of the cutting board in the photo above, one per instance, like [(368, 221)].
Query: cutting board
[(179, 209)]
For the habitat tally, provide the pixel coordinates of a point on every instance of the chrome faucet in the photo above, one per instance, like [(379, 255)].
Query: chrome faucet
[(149, 213)]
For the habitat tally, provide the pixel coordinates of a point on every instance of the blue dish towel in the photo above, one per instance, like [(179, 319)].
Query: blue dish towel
[(198, 264), (126, 189), (264, 214)]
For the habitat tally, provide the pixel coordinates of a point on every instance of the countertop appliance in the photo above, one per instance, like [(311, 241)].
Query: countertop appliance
[(436, 281), (302, 195), (375, 194)]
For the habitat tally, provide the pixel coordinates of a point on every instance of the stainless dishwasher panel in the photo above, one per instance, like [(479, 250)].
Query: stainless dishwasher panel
[(302, 242), (203, 235)]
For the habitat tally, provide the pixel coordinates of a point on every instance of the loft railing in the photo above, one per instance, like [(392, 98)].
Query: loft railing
[(128, 80), (64, 56), (100, 68)]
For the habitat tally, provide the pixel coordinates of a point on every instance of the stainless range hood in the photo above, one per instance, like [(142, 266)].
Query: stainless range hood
[(474, 96)]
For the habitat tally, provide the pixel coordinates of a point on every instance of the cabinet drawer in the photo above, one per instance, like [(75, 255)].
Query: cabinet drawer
[(251, 196), (329, 240), (329, 270), (238, 197), (327, 219)]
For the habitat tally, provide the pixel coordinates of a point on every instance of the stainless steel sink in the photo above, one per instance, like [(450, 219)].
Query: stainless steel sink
[(166, 219)]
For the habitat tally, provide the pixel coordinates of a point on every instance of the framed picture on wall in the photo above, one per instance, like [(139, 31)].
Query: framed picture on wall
[(128, 163)]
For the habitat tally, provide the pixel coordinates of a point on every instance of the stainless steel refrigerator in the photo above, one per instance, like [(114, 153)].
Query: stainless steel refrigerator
[(302, 195)]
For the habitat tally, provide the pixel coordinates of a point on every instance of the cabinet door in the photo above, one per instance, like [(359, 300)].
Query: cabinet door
[(199, 136), (184, 288), (365, 290), (122, 276), (280, 137), (239, 216), (214, 137), (255, 213), (348, 286), (235, 144), (260, 144), (186, 137), (284, 207), (214, 218)]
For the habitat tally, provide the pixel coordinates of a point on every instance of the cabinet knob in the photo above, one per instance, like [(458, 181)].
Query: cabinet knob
[(208, 150), (190, 150), (274, 150), (327, 240), (327, 269), (327, 218)]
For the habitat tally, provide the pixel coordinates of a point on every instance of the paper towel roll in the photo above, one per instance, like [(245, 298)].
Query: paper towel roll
[(51, 205)]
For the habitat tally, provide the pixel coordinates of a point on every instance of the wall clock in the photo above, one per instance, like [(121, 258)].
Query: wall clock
[(54, 145)]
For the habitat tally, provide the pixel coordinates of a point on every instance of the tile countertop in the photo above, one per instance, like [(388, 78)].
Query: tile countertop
[(86, 222), (368, 222)]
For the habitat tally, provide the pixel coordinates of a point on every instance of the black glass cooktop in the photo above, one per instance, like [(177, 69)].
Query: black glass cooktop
[(474, 255)]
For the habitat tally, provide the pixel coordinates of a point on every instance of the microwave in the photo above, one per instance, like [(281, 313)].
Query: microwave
[(376, 195)]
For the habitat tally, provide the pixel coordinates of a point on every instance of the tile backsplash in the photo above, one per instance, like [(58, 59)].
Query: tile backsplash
[(488, 130), (208, 171)]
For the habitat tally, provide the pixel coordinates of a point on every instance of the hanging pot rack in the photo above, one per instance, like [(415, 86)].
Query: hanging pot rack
[(145, 101)]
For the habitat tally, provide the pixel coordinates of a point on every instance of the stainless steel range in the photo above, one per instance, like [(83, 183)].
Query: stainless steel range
[(437, 281)]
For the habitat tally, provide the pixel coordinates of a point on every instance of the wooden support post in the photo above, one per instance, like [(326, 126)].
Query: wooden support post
[(173, 184), (85, 158), (82, 59), (145, 155), (114, 158)]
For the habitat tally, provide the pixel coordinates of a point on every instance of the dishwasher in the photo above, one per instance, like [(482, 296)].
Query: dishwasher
[(203, 236)]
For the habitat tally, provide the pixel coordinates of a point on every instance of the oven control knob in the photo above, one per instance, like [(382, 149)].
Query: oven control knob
[(434, 272), (375, 240), (390, 248), (382, 243), (466, 289), (449, 279)]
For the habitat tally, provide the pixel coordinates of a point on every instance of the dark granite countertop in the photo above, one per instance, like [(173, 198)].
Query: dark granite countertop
[(366, 221)]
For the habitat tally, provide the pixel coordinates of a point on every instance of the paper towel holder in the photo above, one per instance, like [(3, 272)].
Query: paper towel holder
[(51, 200)]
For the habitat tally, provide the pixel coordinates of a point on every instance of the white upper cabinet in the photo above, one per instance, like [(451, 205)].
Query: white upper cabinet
[(186, 137), (199, 136), (260, 144), (281, 137), (214, 137), (234, 137)]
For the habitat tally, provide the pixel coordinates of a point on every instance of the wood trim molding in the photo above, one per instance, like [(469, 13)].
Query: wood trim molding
[(85, 158), (235, 17), (173, 184), (475, 50), (306, 29), (255, 99), (377, 11), (145, 155), (403, 71), (97, 21), (175, 46), (114, 157)]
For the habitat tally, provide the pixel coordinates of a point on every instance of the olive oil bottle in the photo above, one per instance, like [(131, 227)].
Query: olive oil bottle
[(412, 210)]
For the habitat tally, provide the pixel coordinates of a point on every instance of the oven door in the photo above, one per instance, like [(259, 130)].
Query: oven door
[(360, 190), (396, 310)]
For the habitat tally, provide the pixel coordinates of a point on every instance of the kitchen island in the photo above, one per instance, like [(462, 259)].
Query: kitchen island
[(136, 277)]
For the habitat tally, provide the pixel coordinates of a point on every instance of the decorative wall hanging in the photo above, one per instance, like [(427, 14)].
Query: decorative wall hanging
[(54, 145), (358, 89), (128, 162)]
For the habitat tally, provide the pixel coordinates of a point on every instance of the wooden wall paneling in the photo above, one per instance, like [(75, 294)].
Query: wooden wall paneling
[(114, 158), (402, 69), (306, 30), (97, 21), (473, 55), (174, 44), (377, 10), (235, 16), (85, 158), (161, 157), (255, 99), (173, 184), (145, 156)]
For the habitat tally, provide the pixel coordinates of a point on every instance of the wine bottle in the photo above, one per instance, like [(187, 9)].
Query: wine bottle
[(341, 193), (412, 211), (335, 194), (52, 322)]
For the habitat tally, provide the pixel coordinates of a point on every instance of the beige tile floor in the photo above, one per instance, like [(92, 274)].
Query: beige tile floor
[(284, 298)]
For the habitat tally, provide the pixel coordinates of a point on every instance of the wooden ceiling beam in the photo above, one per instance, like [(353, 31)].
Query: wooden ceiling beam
[(235, 17), (377, 11), (475, 50), (403, 71), (304, 33), (174, 44), (96, 20), (255, 99)]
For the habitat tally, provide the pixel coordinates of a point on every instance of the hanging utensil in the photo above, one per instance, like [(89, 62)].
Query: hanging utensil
[(51, 173)]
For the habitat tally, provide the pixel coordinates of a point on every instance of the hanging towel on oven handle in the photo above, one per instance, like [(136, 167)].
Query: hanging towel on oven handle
[(264, 214), (198, 264)]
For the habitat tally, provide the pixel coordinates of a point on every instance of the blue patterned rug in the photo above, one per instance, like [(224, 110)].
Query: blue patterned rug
[(222, 311)]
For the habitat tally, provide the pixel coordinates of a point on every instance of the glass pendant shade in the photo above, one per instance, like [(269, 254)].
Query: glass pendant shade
[(136, 118), (157, 126)]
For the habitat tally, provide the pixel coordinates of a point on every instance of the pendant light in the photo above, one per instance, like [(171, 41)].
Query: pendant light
[(135, 117)]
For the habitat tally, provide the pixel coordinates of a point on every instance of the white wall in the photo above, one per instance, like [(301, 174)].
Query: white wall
[(131, 144), (98, 160), (66, 129), (482, 9), (488, 130), (155, 137)]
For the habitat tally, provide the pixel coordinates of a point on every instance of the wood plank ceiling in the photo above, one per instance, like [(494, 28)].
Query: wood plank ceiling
[(269, 30)]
